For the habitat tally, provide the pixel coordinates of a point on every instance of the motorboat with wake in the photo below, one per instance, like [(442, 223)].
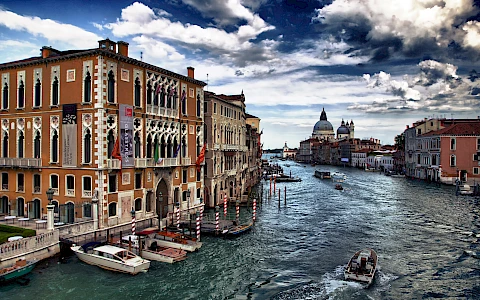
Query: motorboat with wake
[(362, 266)]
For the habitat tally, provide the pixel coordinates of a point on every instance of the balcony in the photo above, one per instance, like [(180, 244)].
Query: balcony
[(20, 162), (216, 147), (142, 162), (167, 162), (232, 172), (113, 164), (4, 187), (230, 147), (71, 192)]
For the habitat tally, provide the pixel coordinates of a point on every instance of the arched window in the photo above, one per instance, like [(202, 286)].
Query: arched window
[(38, 93), (87, 147), (55, 91), (87, 88), (149, 93), (112, 209), (453, 161), (21, 95), (184, 102), (163, 145), (54, 154), (169, 97), (5, 145), (198, 106), (138, 204), (453, 143), (5, 96), (137, 146), (157, 95), (175, 97), (162, 96), (137, 92), (21, 140), (37, 145), (111, 87), (149, 146), (111, 143)]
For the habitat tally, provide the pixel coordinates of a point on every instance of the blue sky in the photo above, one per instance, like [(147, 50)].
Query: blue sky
[(382, 64)]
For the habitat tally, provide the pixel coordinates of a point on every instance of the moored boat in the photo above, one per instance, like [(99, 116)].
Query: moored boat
[(171, 239), (288, 179), (111, 258), (19, 269), (151, 251), (239, 229), (362, 266)]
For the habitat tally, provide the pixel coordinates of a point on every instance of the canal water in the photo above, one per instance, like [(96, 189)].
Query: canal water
[(426, 239)]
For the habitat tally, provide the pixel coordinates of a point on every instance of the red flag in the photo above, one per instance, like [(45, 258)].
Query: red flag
[(201, 157), (116, 152)]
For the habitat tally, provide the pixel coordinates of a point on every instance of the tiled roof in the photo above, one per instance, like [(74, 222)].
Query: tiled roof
[(457, 129)]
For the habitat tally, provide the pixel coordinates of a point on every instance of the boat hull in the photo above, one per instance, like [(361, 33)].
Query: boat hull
[(17, 272), (362, 266), (110, 264)]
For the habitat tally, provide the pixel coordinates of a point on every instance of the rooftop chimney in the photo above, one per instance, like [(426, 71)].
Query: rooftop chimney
[(122, 48), (46, 51), (191, 72)]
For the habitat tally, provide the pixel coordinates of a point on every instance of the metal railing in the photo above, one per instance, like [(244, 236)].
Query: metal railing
[(20, 162)]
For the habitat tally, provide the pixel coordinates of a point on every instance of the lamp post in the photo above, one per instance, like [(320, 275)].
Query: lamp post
[(159, 211), (50, 208)]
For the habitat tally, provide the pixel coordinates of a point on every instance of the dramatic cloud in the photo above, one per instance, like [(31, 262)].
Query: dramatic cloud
[(410, 27), (53, 31), (437, 88)]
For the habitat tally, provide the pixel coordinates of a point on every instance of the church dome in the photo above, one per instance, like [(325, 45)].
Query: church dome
[(323, 124), (343, 129)]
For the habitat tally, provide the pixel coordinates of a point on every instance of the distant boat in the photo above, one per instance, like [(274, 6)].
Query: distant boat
[(322, 174), (288, 179), (111, 258), (338, 177), (19, 269), (362, 266), (338, 187), (238, 229)]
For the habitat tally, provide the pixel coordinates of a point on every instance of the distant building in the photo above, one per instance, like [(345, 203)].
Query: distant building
[(289, 153)]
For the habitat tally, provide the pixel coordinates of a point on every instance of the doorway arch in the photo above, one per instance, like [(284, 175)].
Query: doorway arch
[(161, 198)]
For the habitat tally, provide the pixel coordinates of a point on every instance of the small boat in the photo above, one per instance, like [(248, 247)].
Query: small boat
[(362, 266), (111, 258), (338, 177), (464, 189), (151, 251), (21, 268), (238, 229), (288, 179), (322, 174), (171, 239), (338, 187)]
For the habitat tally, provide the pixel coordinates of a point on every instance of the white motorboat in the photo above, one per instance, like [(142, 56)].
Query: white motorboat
[(338, 177), (362, 266), (151, 251), (171, 239), (111, 258)]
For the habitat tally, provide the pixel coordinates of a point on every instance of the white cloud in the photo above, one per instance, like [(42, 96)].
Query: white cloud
[(52, 30)]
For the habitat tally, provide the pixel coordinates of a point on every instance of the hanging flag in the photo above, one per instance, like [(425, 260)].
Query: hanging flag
[(177, 150), (157, 91), (116, 152), (200, 158), (156, 155)]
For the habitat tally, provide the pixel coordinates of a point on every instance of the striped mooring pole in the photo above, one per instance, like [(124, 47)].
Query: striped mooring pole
[(254, 209), (237, 207), (133, 222), (225, 206), (198, 227), (178, 218), (217, 219)]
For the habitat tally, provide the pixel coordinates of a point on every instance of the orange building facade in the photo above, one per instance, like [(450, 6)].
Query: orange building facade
[(96, 124)]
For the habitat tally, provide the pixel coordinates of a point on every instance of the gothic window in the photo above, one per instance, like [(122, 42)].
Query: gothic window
[(136, 141), (5, 145), (87, 88), (38, 93), (111, 143), (54, 147), (169, 97), (157, 95), (21, 95), (198, 106), (162, 147), (162, 97), (175, 97), (169, 148), (184, 147), (21, 140), (111, 87), (137, 92), (87, 147), (149, 146), (5, 96), (149, 93), (184, 102), (55, 92)]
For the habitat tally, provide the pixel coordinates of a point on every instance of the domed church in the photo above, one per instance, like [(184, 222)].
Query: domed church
[(323, 130)]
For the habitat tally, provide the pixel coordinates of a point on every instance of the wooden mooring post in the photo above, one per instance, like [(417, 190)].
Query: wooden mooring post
[(285, 196)]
